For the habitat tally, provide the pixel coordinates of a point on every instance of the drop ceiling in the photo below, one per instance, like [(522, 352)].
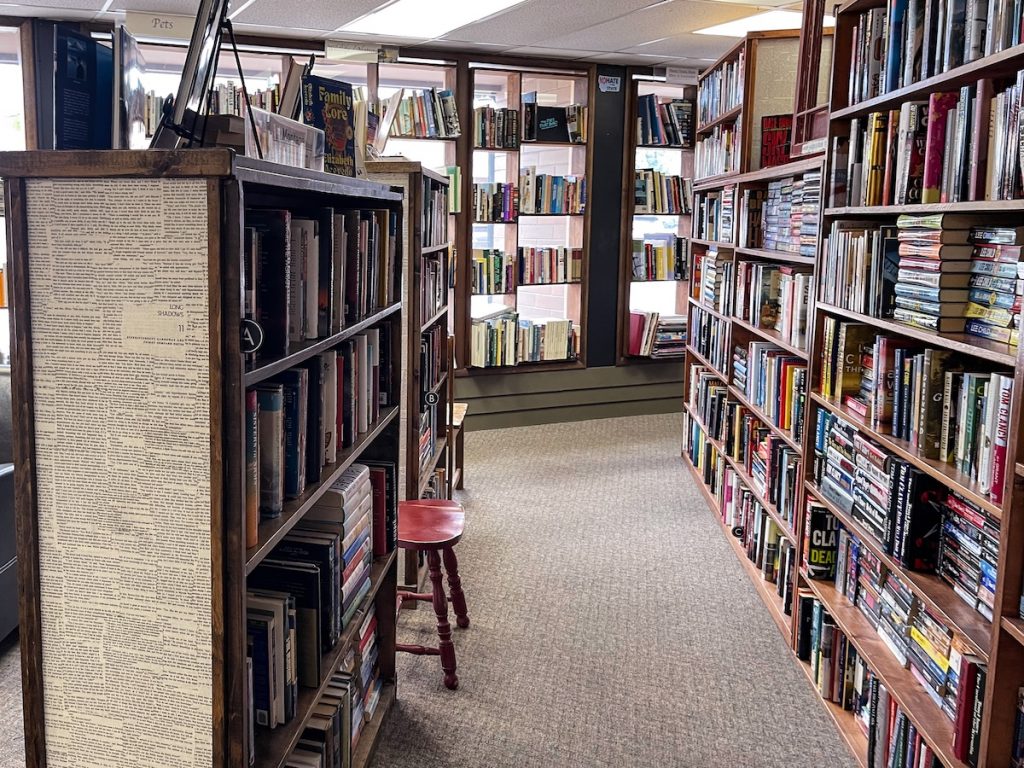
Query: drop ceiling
[(644, 32)]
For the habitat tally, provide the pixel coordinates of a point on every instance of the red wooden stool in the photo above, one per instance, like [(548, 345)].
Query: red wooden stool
[(435, 526)]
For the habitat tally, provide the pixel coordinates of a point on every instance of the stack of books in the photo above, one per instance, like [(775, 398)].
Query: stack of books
[(715, 214), (710, 337), (934, 257), (863, 262), (541, 266), (509, 340), (659, 256), (548, 194), (493, 272), (495, 128), (713, 276), (655, 335), (664, 122), (495, 202), (805, 225), (775, 221), (996, 284), (426, 114), (660, 193), (969, 553)]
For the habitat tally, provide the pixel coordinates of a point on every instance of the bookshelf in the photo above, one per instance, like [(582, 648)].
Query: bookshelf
[(425, 347), (162, 395), (521, 286), (657, 159)]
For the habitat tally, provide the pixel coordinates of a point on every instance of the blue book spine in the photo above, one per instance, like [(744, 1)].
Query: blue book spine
[(260, 654), (293, 475)]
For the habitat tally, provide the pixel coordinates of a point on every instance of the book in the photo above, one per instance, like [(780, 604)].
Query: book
[(327, 104)]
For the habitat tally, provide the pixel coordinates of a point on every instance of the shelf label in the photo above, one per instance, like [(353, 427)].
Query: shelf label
[(163, 26), (367, 53), (681, 75)]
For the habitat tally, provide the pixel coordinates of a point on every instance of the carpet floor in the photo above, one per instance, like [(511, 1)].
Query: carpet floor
[(611, 623)]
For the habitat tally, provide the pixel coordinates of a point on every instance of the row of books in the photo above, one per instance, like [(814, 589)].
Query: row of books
[(664, 122), (660, 256), (969, 553), (495, 128), (433, 358), (652, 334), (709, 336), (663, 194), (495, 202), (721, 90), (454, 174), (435, 281), (715, 215), (228, 99), (774, 381), (788, 213), (763, 541), (349, 701), (713, 282), (307, 275), (432, 427), (510, 340), (299, 421), (551, 194), (495, 272), (434, 221), (775, 297), (923, 396), (903, 43), (718, 152), (554, 124), (427, 113)]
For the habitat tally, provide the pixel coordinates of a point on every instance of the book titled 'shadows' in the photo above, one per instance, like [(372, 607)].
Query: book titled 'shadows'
[(327, 105)]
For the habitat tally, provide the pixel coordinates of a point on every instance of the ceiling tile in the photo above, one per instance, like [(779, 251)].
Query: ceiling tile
[(530, 22), (694, 46), (57, 9), (181, 7), (311, 15), (549, 53)]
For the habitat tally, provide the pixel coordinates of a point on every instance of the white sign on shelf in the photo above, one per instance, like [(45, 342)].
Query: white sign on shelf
[(163, 26), (681, 75), (366, 53)]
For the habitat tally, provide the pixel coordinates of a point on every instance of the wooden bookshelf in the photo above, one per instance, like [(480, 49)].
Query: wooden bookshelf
[(503, 87), (639, 293), (425, 401), (162, 399)]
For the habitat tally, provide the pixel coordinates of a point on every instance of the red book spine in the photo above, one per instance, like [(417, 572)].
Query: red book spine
[(964, 708), (939, 105)]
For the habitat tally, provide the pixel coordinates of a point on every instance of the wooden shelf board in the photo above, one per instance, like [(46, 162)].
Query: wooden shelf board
[(421, 138), (427, 471), (264, 370), (930, 721), (274, 746), (936, 594), (666, 280), (1000, 64), (478, 221), (770, 335), (845, 721), (526, 143), (713, 312), (525, 367), (435, 248), (272, 531), (663, 146), (1018, 468), (739, 395), (715, 182), (662, 213), (553, 282), (712, 243), (946, 474), (765, 589), (439, 315), (1013, 626), (509, 150), (784, 256), (792, 168), (372, 731), (726, 117), (550, 215), (963, 343), (706, 363), (969, 206)]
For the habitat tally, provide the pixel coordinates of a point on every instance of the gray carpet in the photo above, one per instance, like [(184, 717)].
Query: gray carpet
[(611, 623)]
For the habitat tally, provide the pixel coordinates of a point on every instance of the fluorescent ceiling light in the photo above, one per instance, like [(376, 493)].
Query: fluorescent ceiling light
[(761, 22), (425, 19)]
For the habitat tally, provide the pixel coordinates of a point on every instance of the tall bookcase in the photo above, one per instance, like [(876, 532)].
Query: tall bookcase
[(649, 283), (539, 298), (134, 626), (425, 391)]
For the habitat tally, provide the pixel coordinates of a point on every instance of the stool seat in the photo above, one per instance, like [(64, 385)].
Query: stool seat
[(430, 524)]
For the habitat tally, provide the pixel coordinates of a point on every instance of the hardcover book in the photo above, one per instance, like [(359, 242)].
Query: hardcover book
[(327, 105)]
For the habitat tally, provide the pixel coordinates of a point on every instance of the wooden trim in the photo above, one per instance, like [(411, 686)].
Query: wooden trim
[(26, 498), (169, 163), (28, 83)]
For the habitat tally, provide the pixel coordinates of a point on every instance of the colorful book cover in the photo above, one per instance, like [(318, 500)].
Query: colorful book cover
[(939, 105), (327, 105)]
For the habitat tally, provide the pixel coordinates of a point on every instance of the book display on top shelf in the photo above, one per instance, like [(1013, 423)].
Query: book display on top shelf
[(285, 552), (523, 293)]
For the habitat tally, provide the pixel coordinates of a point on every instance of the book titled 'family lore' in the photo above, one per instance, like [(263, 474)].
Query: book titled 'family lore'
[(327, 105)]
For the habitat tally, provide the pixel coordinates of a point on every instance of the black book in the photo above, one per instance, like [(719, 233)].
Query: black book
[(302, 580), (325, 298), (350, 425), (977, 712), (390, 504), (322, 550), (273, 266), (552, 124), (315, 410), (806, 613), (920, 500), (821, 540)]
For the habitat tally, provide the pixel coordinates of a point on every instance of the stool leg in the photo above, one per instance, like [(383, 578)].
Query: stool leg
[(444, 629), (451, 565)]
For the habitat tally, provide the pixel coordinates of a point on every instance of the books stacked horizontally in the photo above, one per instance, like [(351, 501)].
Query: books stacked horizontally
[(307, 276), (996, 284), (541, 266), (710, 338), (425, 114), (654, 335), (775, 220), (923, 396), (547, 194), (714, 209), (862, 259), (508, 340), (298, 422), (774, 381), (495, 128), (969, 553), (713, 277), (555, 125), (934, 262), (659, 256), (807, 220), (492, 272), (664, 122), (495, 202), (660, 193), (775, 297)]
